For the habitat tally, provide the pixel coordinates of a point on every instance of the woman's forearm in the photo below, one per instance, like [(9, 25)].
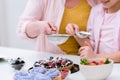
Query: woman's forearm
[(32, 30)]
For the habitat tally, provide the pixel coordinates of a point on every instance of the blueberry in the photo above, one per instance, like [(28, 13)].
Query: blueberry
[(18, 58), (51, 58), (17, 62), (22, 61), (37, 65)]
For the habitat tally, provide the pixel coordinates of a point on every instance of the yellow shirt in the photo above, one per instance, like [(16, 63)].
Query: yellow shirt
[(77, 15)]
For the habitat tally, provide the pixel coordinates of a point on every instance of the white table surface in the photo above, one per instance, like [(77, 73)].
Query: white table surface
[(6, 72)]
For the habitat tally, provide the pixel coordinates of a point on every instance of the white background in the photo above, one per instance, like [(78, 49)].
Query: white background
[(10, 11)]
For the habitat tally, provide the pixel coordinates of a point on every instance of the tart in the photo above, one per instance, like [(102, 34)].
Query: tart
[(55, 62)]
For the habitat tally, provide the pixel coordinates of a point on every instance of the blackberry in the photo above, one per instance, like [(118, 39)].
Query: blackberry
[(17, 64)]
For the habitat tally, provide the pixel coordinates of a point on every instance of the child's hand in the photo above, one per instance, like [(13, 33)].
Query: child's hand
[(71, 29), (86, 51)]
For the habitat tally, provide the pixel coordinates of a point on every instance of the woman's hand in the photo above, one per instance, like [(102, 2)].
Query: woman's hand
[(86, 51), (47, 27), (33, 29), (72, 29)]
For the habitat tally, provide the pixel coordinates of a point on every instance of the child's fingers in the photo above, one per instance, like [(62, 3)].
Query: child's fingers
[(81, 49), (83, 55)]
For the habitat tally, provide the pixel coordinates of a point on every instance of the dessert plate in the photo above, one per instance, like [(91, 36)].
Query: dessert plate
[(58, 38)]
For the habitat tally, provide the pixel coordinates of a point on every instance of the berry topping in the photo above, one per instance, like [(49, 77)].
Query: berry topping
[(53, 62)]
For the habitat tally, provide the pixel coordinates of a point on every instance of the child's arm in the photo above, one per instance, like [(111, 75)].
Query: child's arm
[(82, 41), (87, 52), (115, 56)]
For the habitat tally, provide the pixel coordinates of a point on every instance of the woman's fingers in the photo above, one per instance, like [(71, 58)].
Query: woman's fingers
[(69, 29), (76, 27), (51, 28), (72, 28)]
